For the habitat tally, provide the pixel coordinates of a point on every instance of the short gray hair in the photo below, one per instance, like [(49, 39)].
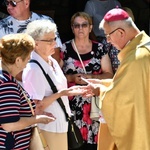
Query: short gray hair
[(38, 28), (120, 23)]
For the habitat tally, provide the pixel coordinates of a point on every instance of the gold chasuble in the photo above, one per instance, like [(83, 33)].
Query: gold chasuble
[(126, 103)]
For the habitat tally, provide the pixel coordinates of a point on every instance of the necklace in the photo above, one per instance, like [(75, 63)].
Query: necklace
[(51, 64)]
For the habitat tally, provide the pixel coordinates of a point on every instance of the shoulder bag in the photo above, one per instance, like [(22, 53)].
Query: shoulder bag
[(37, 141), (94, 113), (75, 139)]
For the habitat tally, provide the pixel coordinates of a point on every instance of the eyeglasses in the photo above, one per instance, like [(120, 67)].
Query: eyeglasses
[(78, 26), (108, 35), (12, 3), (49, 41)]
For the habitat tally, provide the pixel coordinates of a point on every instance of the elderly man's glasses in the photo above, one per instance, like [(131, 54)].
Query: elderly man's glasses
[(49, 41), (12, 3), (108, 35), (77, 25)]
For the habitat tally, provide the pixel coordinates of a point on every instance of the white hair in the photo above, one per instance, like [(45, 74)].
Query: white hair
[(120, 23), (38, 28)]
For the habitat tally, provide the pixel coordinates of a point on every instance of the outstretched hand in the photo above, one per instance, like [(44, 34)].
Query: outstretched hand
[(95, 86), (85, 91), (45, 117), (74, 90)]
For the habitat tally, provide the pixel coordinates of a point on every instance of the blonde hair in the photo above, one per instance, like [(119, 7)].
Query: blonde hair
[(16, 45)]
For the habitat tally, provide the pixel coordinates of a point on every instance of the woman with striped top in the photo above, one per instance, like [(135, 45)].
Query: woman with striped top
[(15, 114)]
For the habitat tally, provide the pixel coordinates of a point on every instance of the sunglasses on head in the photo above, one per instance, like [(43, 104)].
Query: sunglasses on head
[(12, 3), (83, 25)]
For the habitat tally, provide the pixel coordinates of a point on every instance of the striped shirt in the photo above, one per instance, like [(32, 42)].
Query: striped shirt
[(13, 105)]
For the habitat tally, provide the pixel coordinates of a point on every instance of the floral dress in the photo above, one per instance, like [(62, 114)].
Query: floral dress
[(81, 106)]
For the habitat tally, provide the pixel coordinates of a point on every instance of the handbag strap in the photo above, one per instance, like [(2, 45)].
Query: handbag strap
[(53, 87), (44, 143), (74, 45), (28, 100)]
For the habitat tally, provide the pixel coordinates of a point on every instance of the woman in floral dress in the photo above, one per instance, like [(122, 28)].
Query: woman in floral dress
[(97, 65)]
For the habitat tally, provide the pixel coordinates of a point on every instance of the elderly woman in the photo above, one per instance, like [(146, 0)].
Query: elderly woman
[(89, 59), (15, 114), (34, 81)]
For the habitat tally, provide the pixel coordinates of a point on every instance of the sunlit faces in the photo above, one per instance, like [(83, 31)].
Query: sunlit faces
[(78, 25), (47, 44), (12, 3), (115, 36), (49, 41), (108, 35), (17, 9), (81, 27)]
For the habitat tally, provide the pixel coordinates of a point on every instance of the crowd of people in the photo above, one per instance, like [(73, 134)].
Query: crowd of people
[(107, 49)]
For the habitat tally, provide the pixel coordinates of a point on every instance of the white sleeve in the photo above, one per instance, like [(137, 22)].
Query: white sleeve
[(33, 82)]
